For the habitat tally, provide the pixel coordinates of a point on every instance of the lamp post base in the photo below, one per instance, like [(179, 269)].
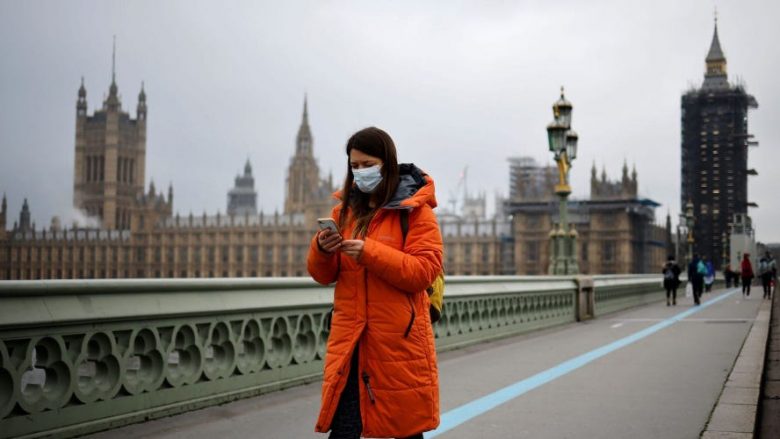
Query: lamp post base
[(563, 240), (564, 261)]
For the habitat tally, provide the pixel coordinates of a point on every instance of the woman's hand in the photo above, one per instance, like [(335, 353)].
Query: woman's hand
[(328, 240), (352, 248)]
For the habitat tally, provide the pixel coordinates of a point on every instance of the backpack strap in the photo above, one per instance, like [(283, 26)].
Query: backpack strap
[(404, 226)]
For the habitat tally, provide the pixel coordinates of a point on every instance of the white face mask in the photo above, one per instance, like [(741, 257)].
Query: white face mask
[(367, 179)]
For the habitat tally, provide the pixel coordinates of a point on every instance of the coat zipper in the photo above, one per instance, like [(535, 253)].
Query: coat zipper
[(368, 388), (411, 320)]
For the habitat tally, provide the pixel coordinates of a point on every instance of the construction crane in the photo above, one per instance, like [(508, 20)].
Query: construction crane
[(454, 194)]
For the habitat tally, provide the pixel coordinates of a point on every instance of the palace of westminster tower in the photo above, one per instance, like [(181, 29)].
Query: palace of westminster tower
[(110, 158)]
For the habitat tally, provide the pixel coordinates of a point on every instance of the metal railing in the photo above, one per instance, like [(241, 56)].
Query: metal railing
[(82, 356)]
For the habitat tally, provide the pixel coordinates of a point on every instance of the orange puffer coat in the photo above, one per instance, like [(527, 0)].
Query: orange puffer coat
[(380, 302)]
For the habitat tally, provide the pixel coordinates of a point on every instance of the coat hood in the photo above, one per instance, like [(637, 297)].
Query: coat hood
[(415, 189)]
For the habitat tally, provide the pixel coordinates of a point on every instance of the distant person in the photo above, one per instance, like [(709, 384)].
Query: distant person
[(380, 375), (696, 272), (709, 277), (767, 269), (746, 273), (727, 275), (671, 272)]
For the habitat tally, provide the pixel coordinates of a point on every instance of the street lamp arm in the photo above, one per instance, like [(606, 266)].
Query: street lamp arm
[(563, 168)]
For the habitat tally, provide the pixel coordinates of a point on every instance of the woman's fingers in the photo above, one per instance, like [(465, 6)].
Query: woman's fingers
[(332, 243), (352, 247), (332, 239), (329, 241)]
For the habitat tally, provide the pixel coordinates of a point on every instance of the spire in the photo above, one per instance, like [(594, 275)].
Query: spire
[(715, 53), (304, 139), (306, 108), (81, 103), (247, 167), (593, 171), (113, 62), (715, 73), (112, 102), (140, 110), (625, 170), (170, 193), (24, 216)]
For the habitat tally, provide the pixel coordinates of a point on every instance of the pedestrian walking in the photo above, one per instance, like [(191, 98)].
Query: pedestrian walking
[(767, 269), (696, 272), (709, 277), (380, 374), (671, 272), (746, 273), (727, 275)]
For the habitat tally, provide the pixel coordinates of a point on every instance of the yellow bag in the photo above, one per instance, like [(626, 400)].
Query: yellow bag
[(436, 289), (436, 296)]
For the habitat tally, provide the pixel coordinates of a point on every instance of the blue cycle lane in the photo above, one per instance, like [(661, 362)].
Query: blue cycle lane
[(675, 339)]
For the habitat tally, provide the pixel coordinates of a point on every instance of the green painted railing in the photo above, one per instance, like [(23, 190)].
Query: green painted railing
[(82, 356), (615, 293)]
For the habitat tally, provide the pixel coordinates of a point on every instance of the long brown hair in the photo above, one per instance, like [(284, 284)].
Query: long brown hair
[(376, 143)]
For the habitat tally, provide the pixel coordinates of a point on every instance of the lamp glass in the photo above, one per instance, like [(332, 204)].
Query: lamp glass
[(556, 137), (565, 115), (571, 144)]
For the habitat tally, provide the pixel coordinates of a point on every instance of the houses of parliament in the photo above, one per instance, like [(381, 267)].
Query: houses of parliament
[(139, 236)]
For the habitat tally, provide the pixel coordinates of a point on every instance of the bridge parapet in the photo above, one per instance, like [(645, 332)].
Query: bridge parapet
[(81, 356)]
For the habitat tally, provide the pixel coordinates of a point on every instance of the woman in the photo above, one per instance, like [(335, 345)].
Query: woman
[(747, 274), (380, 377)]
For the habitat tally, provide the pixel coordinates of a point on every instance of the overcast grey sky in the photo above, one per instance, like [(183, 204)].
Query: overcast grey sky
[(455, 83)]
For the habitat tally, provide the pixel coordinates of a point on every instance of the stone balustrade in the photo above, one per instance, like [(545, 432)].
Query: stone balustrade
[(82, 356)]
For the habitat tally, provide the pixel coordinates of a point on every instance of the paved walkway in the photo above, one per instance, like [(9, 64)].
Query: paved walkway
[(650, 372), (769, 412)]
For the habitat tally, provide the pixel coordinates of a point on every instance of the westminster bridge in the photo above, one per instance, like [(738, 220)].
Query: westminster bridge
[(519, 357)]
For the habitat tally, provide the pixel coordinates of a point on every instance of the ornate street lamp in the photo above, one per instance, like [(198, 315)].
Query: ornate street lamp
[(562, 141), (690, 223)]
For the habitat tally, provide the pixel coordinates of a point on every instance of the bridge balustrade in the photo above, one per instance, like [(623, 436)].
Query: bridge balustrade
[(82, 356)]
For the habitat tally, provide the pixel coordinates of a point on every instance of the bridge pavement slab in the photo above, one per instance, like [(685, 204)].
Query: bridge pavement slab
[(662, 386)]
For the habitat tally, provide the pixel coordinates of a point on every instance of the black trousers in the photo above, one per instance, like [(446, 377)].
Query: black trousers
[(766, 282), (347, 423), (746, 281), (671, 290), (698, 288)]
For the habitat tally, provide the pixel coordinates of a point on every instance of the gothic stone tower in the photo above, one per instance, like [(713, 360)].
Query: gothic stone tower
[(242, 199), (306, 193), (714, 153), (110, 158)]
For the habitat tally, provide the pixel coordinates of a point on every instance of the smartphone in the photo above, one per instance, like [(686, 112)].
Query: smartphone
[(328, 223)]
